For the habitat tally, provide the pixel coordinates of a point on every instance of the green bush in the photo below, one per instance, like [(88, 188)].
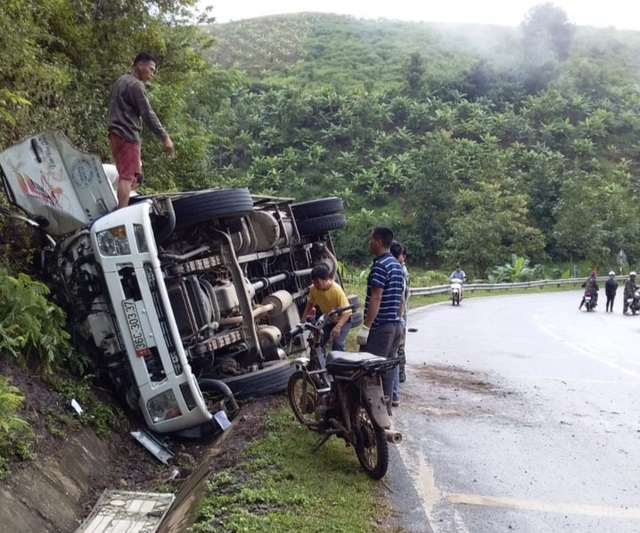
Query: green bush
[(15, 434), (31, 326)]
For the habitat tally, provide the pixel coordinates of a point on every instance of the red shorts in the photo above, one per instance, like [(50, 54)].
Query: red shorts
[(126, 156)]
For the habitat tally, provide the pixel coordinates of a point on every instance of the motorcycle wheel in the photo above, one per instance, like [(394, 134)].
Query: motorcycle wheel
[(303, 397), (371, 444)]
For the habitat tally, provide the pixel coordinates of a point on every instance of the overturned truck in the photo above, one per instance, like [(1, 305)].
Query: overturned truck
[(184, 300)]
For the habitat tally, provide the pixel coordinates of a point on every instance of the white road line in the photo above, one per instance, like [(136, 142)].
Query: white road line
[(544, 506), (585, 350), (616, 382)]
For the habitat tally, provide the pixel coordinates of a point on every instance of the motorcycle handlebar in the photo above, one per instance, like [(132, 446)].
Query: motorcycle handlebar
[(319, 322), (335, 311)]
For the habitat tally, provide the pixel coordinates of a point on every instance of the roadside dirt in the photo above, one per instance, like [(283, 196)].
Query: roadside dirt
[(454, 378), (119, 461)]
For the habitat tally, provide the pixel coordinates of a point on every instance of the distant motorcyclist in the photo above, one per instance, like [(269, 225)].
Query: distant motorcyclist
[(629, 291), (458, 273), (591, 285)]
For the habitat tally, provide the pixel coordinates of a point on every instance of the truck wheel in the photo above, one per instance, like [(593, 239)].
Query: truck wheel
[(316, 208), (211, 204), (323, 224)]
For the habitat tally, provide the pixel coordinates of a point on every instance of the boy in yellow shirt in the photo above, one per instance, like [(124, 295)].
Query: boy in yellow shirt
[(327, 295)]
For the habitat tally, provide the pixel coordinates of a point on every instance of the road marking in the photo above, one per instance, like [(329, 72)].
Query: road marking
[(424, 483), (583, 380), (423, 475), (430, 496), (543, 506), (583, 349)]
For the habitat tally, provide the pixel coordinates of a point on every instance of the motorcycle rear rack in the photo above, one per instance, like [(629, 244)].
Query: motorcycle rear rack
[(344, 368)]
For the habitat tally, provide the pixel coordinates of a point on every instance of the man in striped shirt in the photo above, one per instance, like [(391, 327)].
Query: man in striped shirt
[(381, 330)]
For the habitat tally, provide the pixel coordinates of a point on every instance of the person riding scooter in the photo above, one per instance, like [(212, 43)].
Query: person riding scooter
[(458, 273), (591, 285), (629, 291)]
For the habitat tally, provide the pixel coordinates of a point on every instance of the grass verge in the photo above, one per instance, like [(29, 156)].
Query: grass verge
[(279, 486)]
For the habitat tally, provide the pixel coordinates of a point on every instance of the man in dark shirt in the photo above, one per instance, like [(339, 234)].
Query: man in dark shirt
[(610, 289), (381, 330), (128, 107)]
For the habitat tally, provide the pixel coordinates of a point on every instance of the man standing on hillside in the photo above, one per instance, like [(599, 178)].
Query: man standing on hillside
[(128, 107), (381, 330)]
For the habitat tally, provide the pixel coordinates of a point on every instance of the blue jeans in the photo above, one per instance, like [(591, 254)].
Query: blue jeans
[(395, 394), (396, 371), (384, 341), (338, 342)]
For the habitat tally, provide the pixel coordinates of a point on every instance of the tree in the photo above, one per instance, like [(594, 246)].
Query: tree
[(415, 75), (594, 214), (546, 37), (488, 226), (546, 29)]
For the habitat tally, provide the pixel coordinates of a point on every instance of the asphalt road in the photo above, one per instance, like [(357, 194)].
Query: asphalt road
[(519, 413)]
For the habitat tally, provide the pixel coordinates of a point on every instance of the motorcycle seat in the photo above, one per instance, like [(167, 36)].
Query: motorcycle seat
[(346, 361)]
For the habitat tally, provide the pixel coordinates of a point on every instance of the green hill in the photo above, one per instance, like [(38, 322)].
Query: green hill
[(473, 142)]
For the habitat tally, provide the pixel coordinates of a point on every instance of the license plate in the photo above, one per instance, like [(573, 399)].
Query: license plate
[(135, 328)]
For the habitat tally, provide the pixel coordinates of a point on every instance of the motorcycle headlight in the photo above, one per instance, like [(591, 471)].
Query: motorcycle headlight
[(163, 407), (113, 241)]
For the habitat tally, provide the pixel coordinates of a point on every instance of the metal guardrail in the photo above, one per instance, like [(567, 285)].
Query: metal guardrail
[(438, 289)]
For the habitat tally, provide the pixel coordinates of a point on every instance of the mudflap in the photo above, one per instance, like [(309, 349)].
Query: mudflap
[(372, 392), (300, 362)]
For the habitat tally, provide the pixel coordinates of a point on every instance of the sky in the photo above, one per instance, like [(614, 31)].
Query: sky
[(621, 14)]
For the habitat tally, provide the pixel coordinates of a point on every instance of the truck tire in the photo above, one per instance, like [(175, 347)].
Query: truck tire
[(323, 224), (317, 208), (211, 204)]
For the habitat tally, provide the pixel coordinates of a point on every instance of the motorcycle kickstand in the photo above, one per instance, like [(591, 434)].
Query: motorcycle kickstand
[(320, 442)]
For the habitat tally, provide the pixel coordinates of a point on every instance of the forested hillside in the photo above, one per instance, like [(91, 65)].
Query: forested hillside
[(472, 142)]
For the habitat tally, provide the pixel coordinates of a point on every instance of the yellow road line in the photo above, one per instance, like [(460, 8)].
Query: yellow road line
[(543, 506)]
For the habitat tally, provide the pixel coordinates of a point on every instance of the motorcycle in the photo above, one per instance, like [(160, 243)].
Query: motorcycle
[(340, 393), (590, 299), (634, 302), (456, 290)]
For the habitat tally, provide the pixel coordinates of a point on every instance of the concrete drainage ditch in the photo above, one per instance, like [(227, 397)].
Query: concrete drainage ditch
[(45, 496)]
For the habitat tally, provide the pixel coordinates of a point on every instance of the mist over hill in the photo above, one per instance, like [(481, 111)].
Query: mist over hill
[(284, 45)]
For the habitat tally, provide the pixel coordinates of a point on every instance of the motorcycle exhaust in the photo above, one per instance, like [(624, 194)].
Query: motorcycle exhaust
[(393, 436)]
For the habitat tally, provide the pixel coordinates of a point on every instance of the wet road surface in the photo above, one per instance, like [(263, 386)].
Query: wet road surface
[(519, 413)]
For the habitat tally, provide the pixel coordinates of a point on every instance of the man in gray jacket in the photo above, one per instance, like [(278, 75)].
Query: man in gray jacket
[(128, 107)]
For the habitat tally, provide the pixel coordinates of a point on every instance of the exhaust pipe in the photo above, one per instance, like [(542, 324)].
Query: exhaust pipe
[(393, 436)]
